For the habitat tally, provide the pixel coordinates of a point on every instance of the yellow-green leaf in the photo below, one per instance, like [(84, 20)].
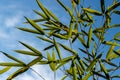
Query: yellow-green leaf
[(31, 48), (112, 7), (104, 70), (45, 39), (82, 41), (92, 11), (11, 64), (74, 70), (68, 49), (109, 52), (36, 60), (111, 43), (42, 8), (63, 78), (89, 37), (18, 72), (29, 30), (57, 49), (70, 30), (86, 77), (36, 26), (26, 52), (13, 58), (5, 69)]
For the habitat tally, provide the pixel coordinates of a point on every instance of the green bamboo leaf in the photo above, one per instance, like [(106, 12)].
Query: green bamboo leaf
[(33, 62), (36, 26), (37, 20), (51, 26), (117, 39), (13, 58), (60, 36), (110, 63), (82, 41), (63, 78), (80, 70), (117, 35), (82, 64), (70, 30), (29, 30), (5, 69), (41, 14), (86, 77), (92, 11), (109, 52), (116, 12), (68, 49), (89, 37), (114, 55), (52, 15), (42, 8), (103, 68), (31, 48), (93, 62), (74, 70), (73, 4), (18, 72), (112, 7), (77, 1), (26, 52), (102, 5), (111, 43), (116, 52), (64, 61), (45, 39), (57, 49), (115, 26), (48, 47), (11, 64)]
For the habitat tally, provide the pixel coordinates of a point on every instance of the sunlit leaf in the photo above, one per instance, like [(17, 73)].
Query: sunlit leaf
[(36, 26), (11, 64), (116, 12), (109, 52), (104, 70), (18, 72), (42, 8), (45, 39), (5, 69), (92, 11), (26, 52), (111, 43), (30, 30), (31, 48), (57, 49), (63, 78), (74, 70), (89, 37), (86, 77), (13, 58), (112, 7)]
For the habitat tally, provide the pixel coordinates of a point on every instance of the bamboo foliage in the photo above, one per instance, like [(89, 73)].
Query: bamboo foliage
[(87, 58)]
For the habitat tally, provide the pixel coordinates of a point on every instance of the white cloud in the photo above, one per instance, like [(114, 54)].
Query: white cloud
[(12, 21)]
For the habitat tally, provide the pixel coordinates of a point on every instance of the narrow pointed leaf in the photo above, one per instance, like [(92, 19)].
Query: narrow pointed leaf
[(37, 20), (92, 11), (112, 7), (82, 41), (89, 37), (63, 78), (86, 77), (33, 62), (70, 30), (109, 52), (42, 8), (68, 49), (41, 14), (29, 30), (111, 43), (36, 26), (57, 49), (116, 12), (102, 2), (5, 69), (74, 70), (45, 39), (31, 48), (26, 52), (11, 64), (18, 72), (60, 36), (13, 58), (52, 15), (48, 47), (104, 70)]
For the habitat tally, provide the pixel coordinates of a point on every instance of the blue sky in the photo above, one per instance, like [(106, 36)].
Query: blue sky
[(12, 14)]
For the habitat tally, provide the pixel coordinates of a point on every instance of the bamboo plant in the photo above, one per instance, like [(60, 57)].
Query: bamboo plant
[(90, 39)]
